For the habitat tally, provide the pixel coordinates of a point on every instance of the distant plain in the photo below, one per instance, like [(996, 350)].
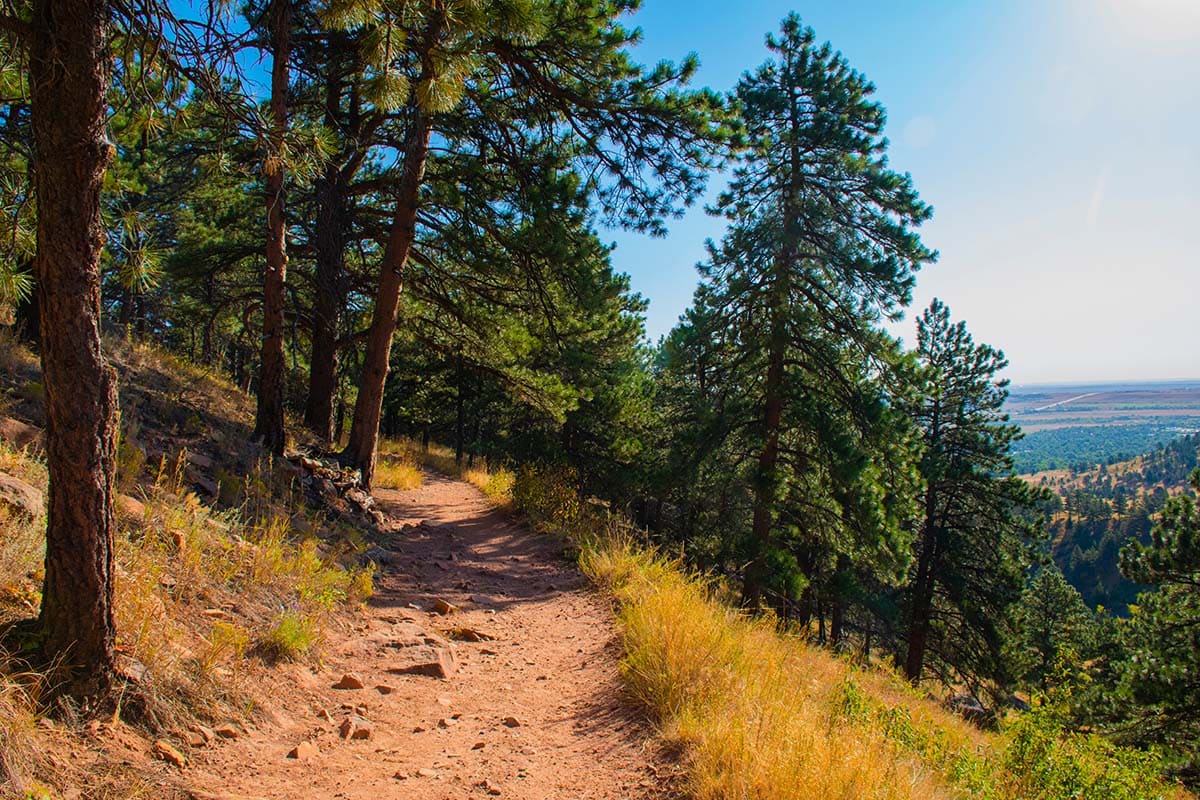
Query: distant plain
[(1077, 424)]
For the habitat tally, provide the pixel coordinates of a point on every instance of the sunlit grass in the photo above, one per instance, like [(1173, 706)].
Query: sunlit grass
[(399, 472), (199, 590), (762, 715), (496, 481)]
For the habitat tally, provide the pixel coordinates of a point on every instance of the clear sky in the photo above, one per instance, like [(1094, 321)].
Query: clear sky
[(1058, 141)]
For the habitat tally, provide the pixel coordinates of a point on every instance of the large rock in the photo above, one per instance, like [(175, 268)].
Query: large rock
[(304, 751), (349, 681), (355, 727), (17, 495), (165, 751), (444, 607), (20, 434), (130, 508), (436, 662)]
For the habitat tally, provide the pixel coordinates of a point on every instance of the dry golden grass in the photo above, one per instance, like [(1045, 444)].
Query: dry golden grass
[(198, 590), (399, 472), (761, 715), (22, 755), (753, 709), (495, 481)]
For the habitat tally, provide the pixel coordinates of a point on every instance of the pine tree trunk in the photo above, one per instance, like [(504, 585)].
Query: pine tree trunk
[(460, 416), (69, 73), (360, 452), (327, 308), (921, 590), (921, 593), (330, 239), (765, 483), (766, 479), (269, 423), (837, 617)]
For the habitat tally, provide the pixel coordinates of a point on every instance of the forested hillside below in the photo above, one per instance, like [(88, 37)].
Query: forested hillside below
[(1101, 509), (381, 223)]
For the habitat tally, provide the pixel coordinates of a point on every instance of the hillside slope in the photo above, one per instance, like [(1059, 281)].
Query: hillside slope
[(1106, 506), (240, 594)]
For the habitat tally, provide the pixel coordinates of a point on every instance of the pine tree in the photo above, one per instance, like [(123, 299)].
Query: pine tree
[(1157, 686), (819, 248), (975, 519), (459, 73), (269, 419), (1055, 630), (69, 68)]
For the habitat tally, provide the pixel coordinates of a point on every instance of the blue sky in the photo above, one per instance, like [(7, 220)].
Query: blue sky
[(1058, 141)]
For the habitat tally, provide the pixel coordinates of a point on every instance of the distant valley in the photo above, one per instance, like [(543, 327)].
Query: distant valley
[(1085, 424)]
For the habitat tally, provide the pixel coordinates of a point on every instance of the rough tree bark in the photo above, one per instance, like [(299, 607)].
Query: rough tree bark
[(364, 429), (69, 77), (768, 461), (921, 604), (330, 278), (360, 451), (269, 421)]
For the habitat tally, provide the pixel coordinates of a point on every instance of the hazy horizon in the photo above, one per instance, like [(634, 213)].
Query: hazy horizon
[(1051, 139)]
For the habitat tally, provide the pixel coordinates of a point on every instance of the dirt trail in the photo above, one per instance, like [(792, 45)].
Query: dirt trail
[(551, 666)]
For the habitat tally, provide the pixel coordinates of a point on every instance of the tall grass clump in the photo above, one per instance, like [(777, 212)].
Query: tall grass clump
[(750, 707), (21, 752), (759, 714), (397, 467)]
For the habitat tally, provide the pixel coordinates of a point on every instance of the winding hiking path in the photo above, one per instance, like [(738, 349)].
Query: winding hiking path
[(549, 672)]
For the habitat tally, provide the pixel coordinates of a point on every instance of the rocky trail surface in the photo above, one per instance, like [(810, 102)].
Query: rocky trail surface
[(485, 666)]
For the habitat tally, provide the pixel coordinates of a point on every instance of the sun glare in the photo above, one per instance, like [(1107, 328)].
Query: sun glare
[(1157, 20)]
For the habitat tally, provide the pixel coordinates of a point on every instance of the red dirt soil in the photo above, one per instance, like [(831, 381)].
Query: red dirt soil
[(552, 666)]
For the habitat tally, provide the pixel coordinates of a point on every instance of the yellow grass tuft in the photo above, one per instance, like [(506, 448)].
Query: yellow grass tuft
[(21, 753), (398, 472), (494, 480)]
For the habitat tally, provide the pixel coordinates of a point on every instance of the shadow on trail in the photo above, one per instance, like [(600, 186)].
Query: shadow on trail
[(466, 552)]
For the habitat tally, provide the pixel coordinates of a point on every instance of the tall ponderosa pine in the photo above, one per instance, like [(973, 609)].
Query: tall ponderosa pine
[(819, 247), (269, 421), (976, 516), (69, 67), (495, 79)]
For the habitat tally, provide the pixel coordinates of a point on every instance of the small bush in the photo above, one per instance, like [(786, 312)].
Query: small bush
[(1042, 762), (225, 642), (130, 463), (496, 483), (293, 635)]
